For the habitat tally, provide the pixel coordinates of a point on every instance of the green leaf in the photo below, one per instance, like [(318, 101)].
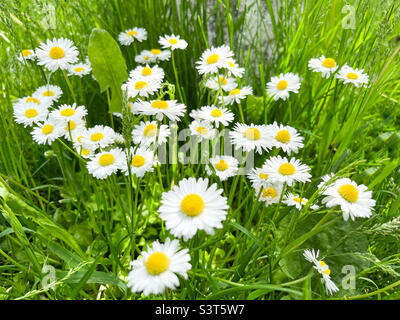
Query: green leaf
[(255, 108), (108, 66)]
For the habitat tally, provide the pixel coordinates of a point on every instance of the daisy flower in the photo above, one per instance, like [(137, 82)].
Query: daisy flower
[(294, 200), (224, 167), (326, 66), (354, 200), (236, 95), (106, 163), (86, 152), (129, 36), (47, 132), (202, 130), (147, 133), (234, 69), (80, 69), (216, 115), (141, 161), (214, 59), (286, 138), (226, 83), (172, 42), (322, 268), (155, 73), (253, 137), (57, 54), (72, 126), (258, 178), (355, 76), (29, 113), (157, 268), (280, 87), (282, 170), (65, 113), (270, 194), (195, 114), (192, 206), (50, 91), (160, 108), (27, 54), (99, 136), (39, 100), (145, 57), (326, 179), (143, 87), (160, 55)]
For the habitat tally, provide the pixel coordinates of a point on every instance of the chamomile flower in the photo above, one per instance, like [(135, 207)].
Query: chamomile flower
[(326, 66), (250, 137), (141, 86), (216, 115), (280, 87), (157, 268), (67, 112), (226, 83), (236, 95), (50, 91), (234, 69), (39, 100), (286, 138), (354, 200), (147, 133), (160, 108), (80, 69), (57, 54), (86, 152), (99, 136), (29, 113), (202, 130), (106, 163), (214, 59), (258, 178), (191, 206), (224, 167), (72, 126), (160, 55), (145, 57), (172, 42), (295, 200), (322, 268), (141, 161), (129, 36), (326, 180), (355, 76), (155, 73), (47, 132), (282, 170), (26, 54), (270, 194)]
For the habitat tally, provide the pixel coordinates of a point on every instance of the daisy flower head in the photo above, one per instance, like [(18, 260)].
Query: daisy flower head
[(72, 126), (322, 268), (46, 132), (172, 42), (28, 113), (26, 54), (141, 161), (214, 59), (86, 152), (282, 170), (354, 200), (50, 91), (106, 163), (224, 167), (226, 83), (145, 57), (250, 137), (194, 114), (355, 76), (160, 108), (39, 100), (202, 130), (285, 137), (258, 178), (148, 133), (160, 55), (236, 95), (99, 136), (65, 113), (234, 69), (157, 268), (191, 206), (295, 200), (57, 54), (326, 66), (143, 87), (269, 194), (216, 115), (80, 69), (155, 73), (280, 87), (326, 180), (129, 36)]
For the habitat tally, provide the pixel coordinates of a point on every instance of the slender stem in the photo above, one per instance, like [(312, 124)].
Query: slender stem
[(176, 77), (70, 86)]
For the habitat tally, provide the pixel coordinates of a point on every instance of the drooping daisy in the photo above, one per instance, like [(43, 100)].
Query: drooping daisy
[(141, 86), (258, 178), (322, 268), (72, 126), (99, 136), (67, 112), (47, 132), (214, 59), (224, 167), (172, 42), (160, 108), (216, 115), (80, 69), (29, 113), (326, 66), (160, 55), (26, 54), (236, 95), (226, 83), (119, 138), (86, 152), (354, 200), (295, 200), (326, 180), (129, 36), (194, 114), (202, 130), (250, 137), (141, 161), (282, 170), (147, 133), (157, 268), (280, 87), (49, 91), (57, 54), (270, 194), (234, 69), (145, 57), (193, 206), (355, 76), (155, 73), (286, 138), (106, 163)]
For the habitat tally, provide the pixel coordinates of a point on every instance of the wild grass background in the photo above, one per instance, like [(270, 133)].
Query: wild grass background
[(54, 213)]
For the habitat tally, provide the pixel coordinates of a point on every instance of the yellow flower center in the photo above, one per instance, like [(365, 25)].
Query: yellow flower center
[(263, 176), (173, 41), (96, 136), (348, 192), (283, 136), (282, 85), (221, 165), (298, 200), (106, 159), (232, 65), (138, 161), (327, 271), (287, 169), (157, 263), (270, 192), (223, 80), (47, 129), (146, 58), (79, 69), (216, 113), (234, 92), (150, 130), (139, 85), (56, 53), (192, 205), (48, 93), (67, 112), (132, 33), (32, 99), (352, 76), (213, 58), (202, 130), (71, 125), (26, 53), (252, 134), (159, 104), (329, 63), (86, 152), (79, 138), (155, 51), (146, 71), (30, 113)]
